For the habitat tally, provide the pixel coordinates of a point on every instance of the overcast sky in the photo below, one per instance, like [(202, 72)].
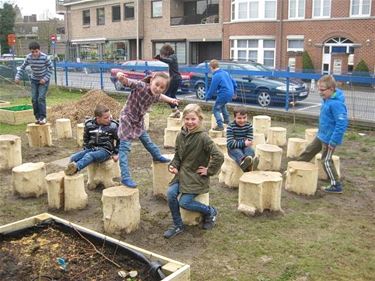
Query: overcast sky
[(43, 8)]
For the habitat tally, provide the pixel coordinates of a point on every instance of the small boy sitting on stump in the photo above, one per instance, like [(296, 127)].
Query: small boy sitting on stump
[(100, 141)]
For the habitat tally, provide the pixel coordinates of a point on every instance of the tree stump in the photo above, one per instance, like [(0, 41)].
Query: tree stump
[(215, 134), (75, 196), (161, 177), (10, 151), (321, 173), (295, 147), (121, 209), (258, 138), (63, 128), (80, 131), (102, 174), (146, 121), (276, 136), (259, 190), (230, 173), (170, 136), (194, 218), (55, 190), (39, 135), (174, 123), (269, 157), (221, 143), (213, 120), (310, 134), (261, 123), (302, 177), (28, 179)]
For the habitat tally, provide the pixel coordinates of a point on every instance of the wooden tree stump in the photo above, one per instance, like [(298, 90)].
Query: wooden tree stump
[(215, 134), (221, 143), (213, 120), (276, 136), (55, 190), (259, 190), (321, 173), (75, 196), (39, 135), (295, 147), (170, 136), (261, 123), (80, 131), (28, 179), (102, 174), (310, 134), (10, 151), (146, 121), (121, 209), (174, 123), (194, 218), (161, 177), (258, 138), (63, 128), (302, 177), (230, 173), (269, 157)]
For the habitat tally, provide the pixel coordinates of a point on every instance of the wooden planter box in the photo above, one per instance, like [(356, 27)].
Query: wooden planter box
[(173, 270), (15, 115), (4, 103)]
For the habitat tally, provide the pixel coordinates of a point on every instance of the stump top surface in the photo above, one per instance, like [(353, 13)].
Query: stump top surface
[(80, 125), (319, 156), (172, 129), (301, 165), (62, 120), (277, 129), (38, 125), (261, 176), (73, 177), (269, 147), (313, 130), (220, 141), (52, 176), (9, 138), (119, 191), (297, 140), (262, 117), (28, 167)]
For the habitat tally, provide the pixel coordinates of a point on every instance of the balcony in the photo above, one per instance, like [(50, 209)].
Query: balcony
[(194, 12)]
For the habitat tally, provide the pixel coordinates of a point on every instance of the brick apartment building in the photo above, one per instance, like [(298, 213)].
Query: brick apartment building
[(112, 30), (337, 34)]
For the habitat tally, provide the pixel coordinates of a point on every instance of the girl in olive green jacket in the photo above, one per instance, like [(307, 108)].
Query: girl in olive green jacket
[(196, 159)]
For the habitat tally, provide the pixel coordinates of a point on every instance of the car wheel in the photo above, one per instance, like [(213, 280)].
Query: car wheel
[(200, 91), (264, 98)]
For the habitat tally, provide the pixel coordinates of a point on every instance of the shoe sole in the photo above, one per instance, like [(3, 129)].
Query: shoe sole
[(174, 235)]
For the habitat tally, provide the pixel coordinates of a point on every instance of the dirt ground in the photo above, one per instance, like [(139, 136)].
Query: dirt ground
[(192, 246)]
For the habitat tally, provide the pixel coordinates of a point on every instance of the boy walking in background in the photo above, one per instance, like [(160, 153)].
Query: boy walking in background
[(240, 141), (41, 71), (225, 87)]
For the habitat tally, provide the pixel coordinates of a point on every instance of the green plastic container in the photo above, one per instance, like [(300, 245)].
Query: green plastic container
[(18, 107)]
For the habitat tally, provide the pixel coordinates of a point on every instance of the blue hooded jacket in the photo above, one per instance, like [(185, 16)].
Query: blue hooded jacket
[(223, 84), (333, 119)]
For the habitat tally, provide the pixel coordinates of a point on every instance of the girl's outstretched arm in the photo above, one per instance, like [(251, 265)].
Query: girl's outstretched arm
[(167, 99)]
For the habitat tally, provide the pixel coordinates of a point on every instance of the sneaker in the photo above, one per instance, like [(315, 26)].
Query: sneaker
[(333, 188), (218, 128), (37, 121), (42, 121), (246, 163), (210, 221), (226, 122), (173, 231), (129, 183), (175, 113), (254, 166), (71, 169), (162, 159)]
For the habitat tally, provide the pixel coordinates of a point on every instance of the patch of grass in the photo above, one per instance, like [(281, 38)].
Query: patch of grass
[(6, 129)]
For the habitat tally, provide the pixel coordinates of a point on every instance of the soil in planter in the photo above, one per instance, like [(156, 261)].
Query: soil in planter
[(33, 255)]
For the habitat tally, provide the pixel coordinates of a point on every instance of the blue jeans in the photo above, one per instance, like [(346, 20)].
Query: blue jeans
[(220, 107), (125, 148), (237, 154), (186, 201), (38, 98), (85, 157)]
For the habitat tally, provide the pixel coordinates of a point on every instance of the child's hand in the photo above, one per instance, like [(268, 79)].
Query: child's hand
[(248, 142), (115, 157), (202, 171), (172, 170), (121, 77), (42, 81), (175, 101)]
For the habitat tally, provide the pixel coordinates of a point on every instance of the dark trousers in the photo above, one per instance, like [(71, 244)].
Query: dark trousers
[(172, 90), (314, 148)]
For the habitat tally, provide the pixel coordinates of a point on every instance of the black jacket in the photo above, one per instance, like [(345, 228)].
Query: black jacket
[(99, 136)]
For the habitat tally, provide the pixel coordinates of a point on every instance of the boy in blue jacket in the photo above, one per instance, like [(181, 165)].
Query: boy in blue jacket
[(225, 87), (333, 121)]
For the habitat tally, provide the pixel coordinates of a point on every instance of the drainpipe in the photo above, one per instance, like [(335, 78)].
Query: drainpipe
[(137, 29), (281, 33)]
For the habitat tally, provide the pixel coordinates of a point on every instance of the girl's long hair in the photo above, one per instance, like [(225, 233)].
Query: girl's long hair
[(164, 75)]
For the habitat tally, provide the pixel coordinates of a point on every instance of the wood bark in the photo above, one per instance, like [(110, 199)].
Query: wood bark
[(310, 134), (170, 136), (161, 177), (39, 135), (80, 131), (261, 123), (63, 128), (221, 143), (230, 173), (75, 196), (295, 147), (174, 123), (276, 136), (269, 157), (55, 190), (102, 174), (28, 179), (194, 218), (302, 177), (10, 151), (321, 173)]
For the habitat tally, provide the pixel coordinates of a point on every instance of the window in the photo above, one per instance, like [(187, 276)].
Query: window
[(116, 13), (295, 45), (259, 50), (321, 8), (178, 47), (86, 17), (100, 16), (360, 8), (156, 9), (253, 9), (296, 9), (129, 11)]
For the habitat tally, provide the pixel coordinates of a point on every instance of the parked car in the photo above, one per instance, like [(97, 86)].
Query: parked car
[(253, 88), (132, 70)]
